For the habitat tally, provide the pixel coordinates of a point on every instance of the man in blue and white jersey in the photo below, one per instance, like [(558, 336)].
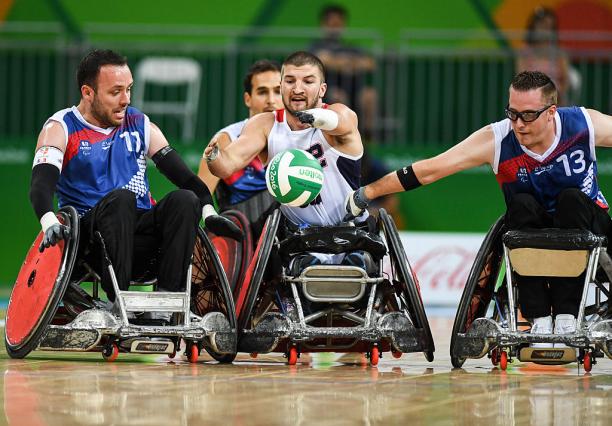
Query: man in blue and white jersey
[(94, 157), (544, 161)]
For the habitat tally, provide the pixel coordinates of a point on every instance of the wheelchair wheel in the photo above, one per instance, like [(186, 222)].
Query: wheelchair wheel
[(39, 289), (480, 286), (234, 255), (210, 290), (248, 291), (410, 293)]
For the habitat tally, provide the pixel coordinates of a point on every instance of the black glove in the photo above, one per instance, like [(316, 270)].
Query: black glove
[(53, 235), (304, 117), (223, 227)]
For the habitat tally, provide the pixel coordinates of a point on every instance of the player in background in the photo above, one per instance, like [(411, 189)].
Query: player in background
[(245, 190)]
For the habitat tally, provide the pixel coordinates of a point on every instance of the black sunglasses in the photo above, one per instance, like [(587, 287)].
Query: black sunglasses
[(526, 116)]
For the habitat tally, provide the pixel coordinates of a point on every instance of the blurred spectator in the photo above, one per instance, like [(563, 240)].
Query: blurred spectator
[(543, 53), (347, 68)]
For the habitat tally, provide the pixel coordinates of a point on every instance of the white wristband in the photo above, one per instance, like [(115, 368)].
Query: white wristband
[(207, 211), (324, 119), (47, 220)]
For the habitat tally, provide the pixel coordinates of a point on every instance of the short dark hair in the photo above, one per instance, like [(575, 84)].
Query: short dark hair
[(89, 68), (530, 80), (261, 66), (301, 58), (332, 9)]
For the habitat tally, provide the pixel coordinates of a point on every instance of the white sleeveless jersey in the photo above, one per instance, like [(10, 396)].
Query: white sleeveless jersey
[(233, 130), (342, 172)]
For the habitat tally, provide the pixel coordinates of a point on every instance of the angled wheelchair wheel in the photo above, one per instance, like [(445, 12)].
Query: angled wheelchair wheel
[(248, 292), (210, 291), (479, 288), (39, 288), (410, 293), (234, 255)]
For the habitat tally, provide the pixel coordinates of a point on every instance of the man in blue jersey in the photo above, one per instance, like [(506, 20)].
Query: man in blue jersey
[(94, 157), (544, 161), (245, 190)]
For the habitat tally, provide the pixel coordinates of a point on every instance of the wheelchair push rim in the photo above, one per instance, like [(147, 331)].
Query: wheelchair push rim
[(486, 251), (410, 287), (39, 289), (234, 255), (219, 298)]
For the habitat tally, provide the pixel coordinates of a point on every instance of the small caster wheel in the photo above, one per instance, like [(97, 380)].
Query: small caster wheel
[(587, 362), (292, 356), (193, 352), (374, 356), (495, 356), (110, 352), (503, 360)]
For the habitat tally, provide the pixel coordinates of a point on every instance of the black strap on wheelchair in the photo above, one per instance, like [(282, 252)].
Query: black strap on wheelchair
[(331, 239)]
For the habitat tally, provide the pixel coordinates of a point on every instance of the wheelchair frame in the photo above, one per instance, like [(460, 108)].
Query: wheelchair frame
[(477, 331), (262, 330), (94, 328)]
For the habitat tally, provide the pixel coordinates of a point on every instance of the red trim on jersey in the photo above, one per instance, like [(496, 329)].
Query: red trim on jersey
[(325, 106), (280, 115), (92, 136), (233, 178)]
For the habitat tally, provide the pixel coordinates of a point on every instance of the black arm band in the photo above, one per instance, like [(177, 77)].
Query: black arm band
[(42, 188), (174, 168), (407, 178)]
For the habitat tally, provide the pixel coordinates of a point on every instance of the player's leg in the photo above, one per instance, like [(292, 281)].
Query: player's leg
[(114, 217), (174, 221), (524, 212)]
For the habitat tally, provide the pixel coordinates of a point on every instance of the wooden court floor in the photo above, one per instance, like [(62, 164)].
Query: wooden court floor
[(81, 389)]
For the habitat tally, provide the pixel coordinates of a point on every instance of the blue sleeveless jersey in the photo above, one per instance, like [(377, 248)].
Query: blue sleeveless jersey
[(249, 181), (570, 162), (98, 161)]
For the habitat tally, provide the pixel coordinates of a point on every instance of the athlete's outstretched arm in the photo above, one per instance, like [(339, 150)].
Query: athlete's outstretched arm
[(477, 149), (222, 140), (602, 125), (336, 119), (252, 140)]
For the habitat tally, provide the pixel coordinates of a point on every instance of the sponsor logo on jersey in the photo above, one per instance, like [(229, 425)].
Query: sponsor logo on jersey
[(85, 147), (107, 144), (541, 169)]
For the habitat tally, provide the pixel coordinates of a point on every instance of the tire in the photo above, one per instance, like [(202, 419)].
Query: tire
[(39, 289), (489, 254), (409, 282)]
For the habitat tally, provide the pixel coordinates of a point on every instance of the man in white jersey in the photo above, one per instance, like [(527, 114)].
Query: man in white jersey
[(328, 132), (245, 190)]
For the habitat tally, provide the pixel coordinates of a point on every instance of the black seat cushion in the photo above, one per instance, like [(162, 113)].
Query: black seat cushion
[(553, 239)]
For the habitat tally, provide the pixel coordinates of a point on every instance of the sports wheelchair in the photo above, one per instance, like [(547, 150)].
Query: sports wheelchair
[(488, 320), (330, 308), (49, 309)]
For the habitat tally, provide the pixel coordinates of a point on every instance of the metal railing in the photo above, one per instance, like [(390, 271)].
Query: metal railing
[(433, 88)]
